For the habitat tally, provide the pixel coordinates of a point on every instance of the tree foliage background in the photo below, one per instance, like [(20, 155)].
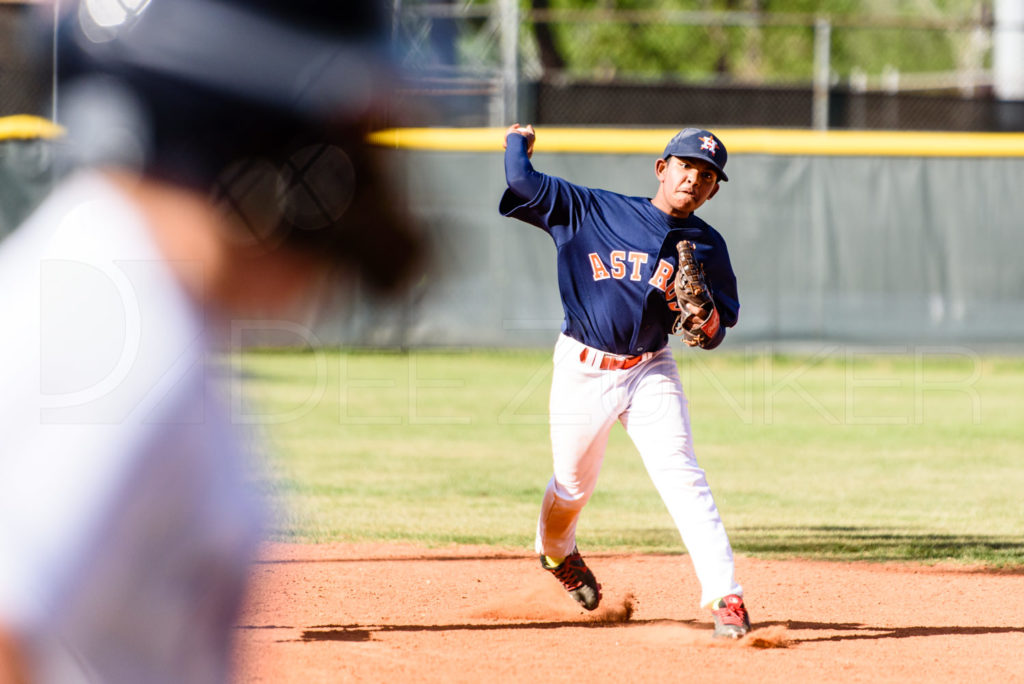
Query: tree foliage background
[(641, 39)]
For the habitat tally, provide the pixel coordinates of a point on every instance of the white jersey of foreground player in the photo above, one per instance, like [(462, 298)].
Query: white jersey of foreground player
[(126, 527)]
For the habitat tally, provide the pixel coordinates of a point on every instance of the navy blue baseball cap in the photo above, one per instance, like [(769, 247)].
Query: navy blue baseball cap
[(696, 143)]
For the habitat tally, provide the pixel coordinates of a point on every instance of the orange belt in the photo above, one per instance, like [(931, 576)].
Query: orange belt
[(614, 362)]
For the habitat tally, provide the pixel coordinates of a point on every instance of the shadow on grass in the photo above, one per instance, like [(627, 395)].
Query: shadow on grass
[(845, 543), (877, 544), (397, 559), (1002, 554)]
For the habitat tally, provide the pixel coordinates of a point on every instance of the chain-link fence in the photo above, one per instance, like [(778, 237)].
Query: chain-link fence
[(856, 63), (926, 64), (26, 79)]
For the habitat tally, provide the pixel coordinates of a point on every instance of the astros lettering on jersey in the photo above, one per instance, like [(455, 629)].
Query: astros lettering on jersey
[(616, 262)]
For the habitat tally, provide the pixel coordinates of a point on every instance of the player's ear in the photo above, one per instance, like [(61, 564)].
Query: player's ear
[(659, 167), (714, 190)]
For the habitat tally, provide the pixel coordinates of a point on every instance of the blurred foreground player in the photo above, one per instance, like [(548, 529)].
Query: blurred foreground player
[(223, 175)]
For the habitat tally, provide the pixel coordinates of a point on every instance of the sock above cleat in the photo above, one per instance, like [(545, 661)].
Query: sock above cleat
[(553, 562)]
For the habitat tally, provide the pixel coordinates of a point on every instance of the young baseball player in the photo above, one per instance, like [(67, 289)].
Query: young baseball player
[(618, 259)]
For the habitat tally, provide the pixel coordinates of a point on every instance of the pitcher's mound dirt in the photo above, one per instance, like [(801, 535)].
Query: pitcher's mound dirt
[(386, 612)]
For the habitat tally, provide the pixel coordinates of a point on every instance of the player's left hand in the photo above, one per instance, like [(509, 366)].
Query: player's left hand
[(525, 131), (699, 323)]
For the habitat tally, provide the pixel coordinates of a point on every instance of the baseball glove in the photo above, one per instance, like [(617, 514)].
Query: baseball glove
[(696, 329)]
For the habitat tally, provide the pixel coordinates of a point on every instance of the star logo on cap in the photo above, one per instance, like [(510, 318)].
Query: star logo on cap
[(709, 144)]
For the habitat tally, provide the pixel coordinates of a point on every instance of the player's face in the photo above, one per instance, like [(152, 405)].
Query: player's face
[(685, 184)]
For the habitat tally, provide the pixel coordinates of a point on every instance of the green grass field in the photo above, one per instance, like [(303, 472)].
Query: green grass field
[(842, 455)]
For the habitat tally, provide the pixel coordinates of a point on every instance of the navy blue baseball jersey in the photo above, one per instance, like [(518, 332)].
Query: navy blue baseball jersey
[(616, 258)]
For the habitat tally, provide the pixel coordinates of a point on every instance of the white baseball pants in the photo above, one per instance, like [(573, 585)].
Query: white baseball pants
[(648, 399)]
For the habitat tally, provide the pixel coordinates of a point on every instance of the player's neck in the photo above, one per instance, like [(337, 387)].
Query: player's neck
[(664, 207)]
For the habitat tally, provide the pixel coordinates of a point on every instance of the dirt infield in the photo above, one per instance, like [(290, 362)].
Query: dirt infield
[(374, 613)]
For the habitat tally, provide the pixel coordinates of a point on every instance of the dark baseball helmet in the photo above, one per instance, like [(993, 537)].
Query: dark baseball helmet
[(308, 57), (264, 103)]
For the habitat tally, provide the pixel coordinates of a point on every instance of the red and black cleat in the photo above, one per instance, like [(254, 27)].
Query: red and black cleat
[(577, 579)]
